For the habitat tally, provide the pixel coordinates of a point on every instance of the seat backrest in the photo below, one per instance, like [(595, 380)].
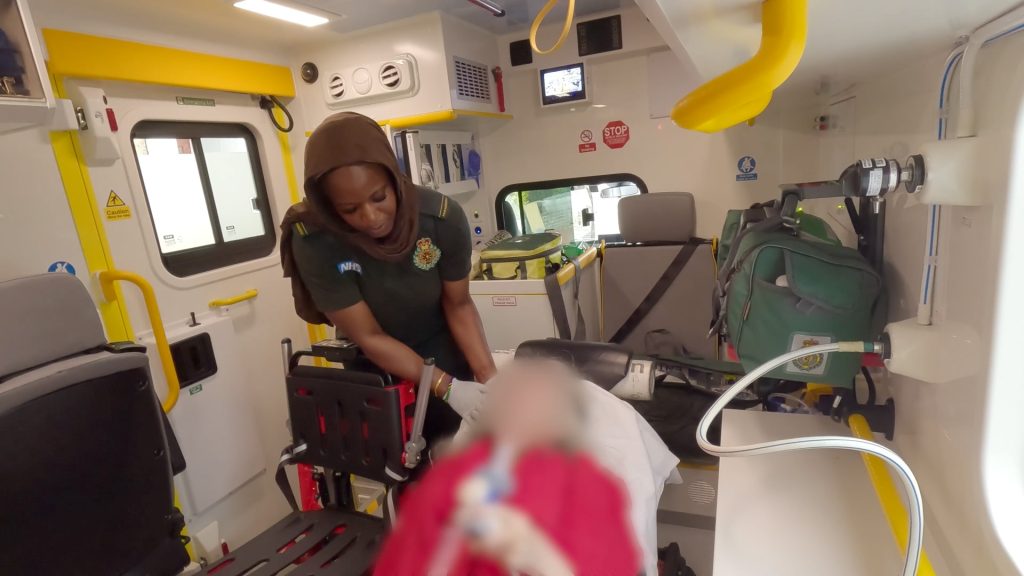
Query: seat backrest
[(654, 229), (84, 460)]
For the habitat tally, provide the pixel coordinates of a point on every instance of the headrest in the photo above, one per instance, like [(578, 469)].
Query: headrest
[(657, 217), (43, 318)]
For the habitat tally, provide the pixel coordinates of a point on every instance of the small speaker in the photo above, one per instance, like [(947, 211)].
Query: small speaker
[(520, 53), (601, 35), (309, 72)]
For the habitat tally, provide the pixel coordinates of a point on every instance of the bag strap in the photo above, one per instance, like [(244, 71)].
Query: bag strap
[(581, 322), (657, 292), (726, 272), (558, 311), (288, 456)]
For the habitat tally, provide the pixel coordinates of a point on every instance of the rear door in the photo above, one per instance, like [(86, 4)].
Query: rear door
[(192, 205)]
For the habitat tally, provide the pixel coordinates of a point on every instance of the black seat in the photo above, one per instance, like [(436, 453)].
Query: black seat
[(87, 459), (85, 467)]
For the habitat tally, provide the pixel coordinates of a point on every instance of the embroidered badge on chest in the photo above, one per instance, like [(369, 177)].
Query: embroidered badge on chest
[(427, 254)]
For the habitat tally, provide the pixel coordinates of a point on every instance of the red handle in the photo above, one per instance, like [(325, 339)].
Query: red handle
[(500, 87)]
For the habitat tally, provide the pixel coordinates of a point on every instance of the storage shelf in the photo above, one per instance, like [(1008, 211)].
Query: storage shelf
[(34, 103)]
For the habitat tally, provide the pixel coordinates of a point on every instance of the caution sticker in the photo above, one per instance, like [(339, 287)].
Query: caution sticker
[(116, 209)]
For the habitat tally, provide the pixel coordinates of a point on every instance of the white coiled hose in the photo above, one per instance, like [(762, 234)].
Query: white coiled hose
[(910, 485)]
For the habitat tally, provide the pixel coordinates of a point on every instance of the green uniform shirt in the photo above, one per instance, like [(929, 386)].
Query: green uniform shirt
[(404, 296)]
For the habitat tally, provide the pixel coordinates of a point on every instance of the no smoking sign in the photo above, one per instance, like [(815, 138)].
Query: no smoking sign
[(587, 144)]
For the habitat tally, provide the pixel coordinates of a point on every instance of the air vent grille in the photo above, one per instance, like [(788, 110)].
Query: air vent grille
[(471, 81), (701, 492), (336, 86), (390, 76)]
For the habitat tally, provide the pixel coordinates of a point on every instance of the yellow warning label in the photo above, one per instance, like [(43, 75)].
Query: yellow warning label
[(116, 208)]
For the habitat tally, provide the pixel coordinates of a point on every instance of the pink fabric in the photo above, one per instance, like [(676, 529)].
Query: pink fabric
[(580, 507)]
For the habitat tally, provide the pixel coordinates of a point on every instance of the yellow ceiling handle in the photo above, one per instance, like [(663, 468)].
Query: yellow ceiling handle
[(540, 19), (745, 91), (107, 279), (231, 300)]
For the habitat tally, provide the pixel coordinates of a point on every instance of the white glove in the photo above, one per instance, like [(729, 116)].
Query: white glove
[(466, 397)]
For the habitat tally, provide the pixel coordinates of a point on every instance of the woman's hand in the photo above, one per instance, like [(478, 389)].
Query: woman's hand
[(466, 398), (510, 538)]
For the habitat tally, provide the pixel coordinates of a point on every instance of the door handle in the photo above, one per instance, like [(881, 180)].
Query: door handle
[(587, 216), (231, 300)]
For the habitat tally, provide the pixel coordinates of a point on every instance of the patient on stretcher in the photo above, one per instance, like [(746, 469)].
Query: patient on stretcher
[(518, 496)]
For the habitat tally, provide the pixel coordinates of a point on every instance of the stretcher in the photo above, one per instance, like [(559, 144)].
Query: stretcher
[(344, 421)]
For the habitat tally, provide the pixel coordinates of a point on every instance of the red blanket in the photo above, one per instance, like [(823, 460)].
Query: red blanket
[(582, 509)]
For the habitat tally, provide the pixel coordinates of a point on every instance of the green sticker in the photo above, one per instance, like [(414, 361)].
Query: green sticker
[(195, 389), (189, 101)]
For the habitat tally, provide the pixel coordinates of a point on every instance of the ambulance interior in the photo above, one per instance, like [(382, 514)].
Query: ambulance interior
[(150, 150)]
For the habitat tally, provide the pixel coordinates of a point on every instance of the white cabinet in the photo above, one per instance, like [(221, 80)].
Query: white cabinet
[(514, 311), (25, 94)]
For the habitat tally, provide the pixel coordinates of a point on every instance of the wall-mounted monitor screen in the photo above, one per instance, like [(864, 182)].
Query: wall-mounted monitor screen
[(563, 84)]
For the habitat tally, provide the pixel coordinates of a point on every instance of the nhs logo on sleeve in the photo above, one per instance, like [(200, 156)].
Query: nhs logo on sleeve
[(350, 266)]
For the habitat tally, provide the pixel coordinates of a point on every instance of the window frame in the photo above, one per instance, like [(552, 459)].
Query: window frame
[(221, 254), (561, 183)]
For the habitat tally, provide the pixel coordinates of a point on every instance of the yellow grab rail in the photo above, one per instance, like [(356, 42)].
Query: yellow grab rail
[(888, 496), (745, 91), (107, 279), (231, 300), (567, 273)]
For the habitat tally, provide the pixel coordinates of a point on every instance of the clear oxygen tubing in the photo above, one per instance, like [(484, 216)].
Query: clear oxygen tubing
[(906, 475), (491, 483), (965, 55)]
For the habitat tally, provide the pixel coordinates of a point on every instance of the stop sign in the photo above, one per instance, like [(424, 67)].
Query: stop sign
[(616, 134)]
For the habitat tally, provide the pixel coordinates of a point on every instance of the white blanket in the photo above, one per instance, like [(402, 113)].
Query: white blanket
[(626, 445)]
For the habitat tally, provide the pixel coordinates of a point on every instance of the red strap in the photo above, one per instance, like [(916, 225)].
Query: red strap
[(872, 361), (307, 488)]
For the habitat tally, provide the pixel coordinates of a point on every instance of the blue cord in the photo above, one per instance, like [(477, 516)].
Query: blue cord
[(942, 133)]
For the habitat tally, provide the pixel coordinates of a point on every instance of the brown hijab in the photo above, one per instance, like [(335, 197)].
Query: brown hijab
[(349, 138)]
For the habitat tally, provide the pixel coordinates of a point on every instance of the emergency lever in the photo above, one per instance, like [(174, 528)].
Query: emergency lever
[(414, 447)]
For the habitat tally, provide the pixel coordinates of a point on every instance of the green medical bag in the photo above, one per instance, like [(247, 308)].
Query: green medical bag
[(792, 286), (737, 220)]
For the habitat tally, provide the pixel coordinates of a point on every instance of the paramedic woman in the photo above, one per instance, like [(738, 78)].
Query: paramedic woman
[(388, 264)]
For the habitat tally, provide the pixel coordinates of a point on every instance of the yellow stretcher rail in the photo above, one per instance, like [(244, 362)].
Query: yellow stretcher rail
[(107, 279), (232, 300), (745, 91), (567, 273), (888, 495)]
